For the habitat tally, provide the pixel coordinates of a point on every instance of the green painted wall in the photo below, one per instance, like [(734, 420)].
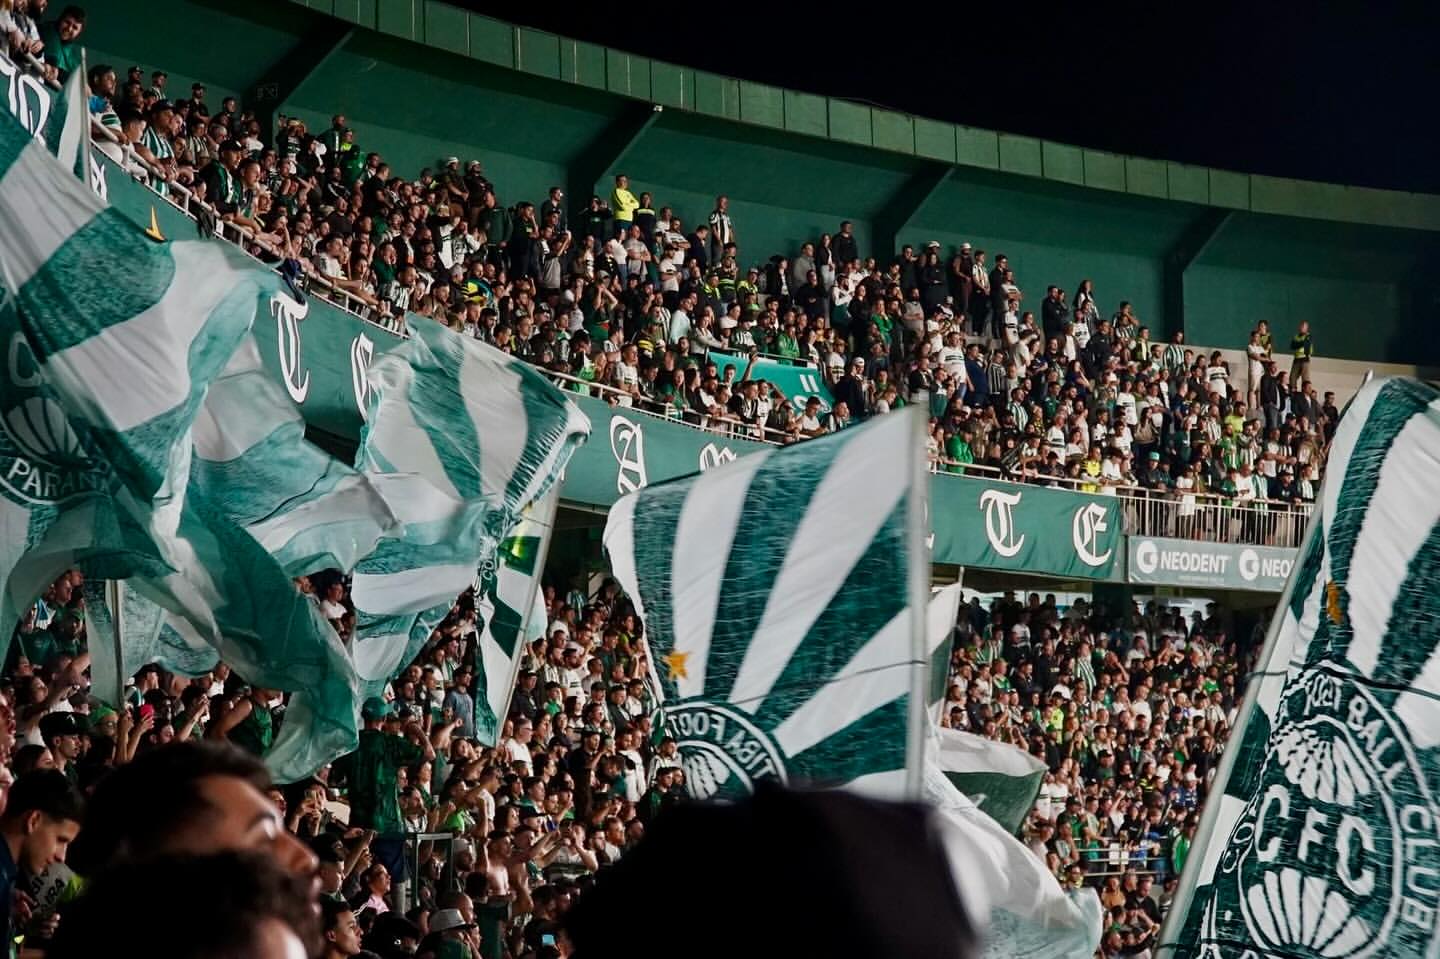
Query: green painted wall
[(417, 109), (1351, 283), (227, 46), (1057, 235), (783, 190)]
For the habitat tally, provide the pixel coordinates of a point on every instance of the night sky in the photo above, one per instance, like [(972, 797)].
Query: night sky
[(1347, 94)]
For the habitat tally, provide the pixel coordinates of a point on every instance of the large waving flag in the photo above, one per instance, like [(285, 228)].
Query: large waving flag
[(485, 436), (133, 373), (783, 597), (1321, 837)]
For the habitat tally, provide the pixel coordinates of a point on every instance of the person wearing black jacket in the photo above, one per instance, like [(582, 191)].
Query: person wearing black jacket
[(933, 287), (844, 244), (1271, 396), (851, 390), (1098, 350), (1054, 313), (909, 268), (523, 248)]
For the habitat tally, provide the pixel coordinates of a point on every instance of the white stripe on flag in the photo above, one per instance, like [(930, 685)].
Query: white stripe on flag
[(77, 116), (1398, 519), (158, 341), (232, 389), (890, 784), (350, 501), (1352, 424), (411, 590), (492, 396), (396, 436), (878, 673), (704, 536), (414, 499), (825, 547), (962, 752), (620, 545), (37, 213), (1230, 809)]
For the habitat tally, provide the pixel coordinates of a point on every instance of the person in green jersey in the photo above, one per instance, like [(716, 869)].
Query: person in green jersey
[(386, 745)]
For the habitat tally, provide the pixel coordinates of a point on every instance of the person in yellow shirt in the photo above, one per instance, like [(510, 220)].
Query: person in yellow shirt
[(622, 201), (1090, 467)]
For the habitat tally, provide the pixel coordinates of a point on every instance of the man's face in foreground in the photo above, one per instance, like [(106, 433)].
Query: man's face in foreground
[(244, 820)]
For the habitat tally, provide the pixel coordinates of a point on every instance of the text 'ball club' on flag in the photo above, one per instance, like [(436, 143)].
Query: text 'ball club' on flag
[(783, 599), (1321, 836)]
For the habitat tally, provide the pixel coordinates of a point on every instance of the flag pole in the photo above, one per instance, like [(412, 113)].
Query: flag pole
[(918, 559), (114, 599), (85, 142), (1189, 878), (548, 506)]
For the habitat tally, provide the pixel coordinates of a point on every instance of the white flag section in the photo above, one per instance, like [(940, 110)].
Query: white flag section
[(1006, 887), (999, 778), (1321, 836), (783, 598)]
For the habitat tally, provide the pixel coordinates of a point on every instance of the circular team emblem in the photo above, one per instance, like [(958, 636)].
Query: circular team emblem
[(1336, 851), (722, 751), (42, 460)]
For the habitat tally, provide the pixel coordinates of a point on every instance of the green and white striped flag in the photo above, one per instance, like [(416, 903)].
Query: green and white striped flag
[(487, 435), (1321, 836), (999, 778), (502, 605), (134, 361), (783, 600)]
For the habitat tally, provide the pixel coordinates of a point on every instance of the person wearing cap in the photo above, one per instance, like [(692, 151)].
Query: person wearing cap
[(61, 732), (222, 179), (449, 936)]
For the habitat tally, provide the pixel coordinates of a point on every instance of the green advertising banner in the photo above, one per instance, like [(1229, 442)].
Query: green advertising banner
[(1031, 529), (1184, 562)]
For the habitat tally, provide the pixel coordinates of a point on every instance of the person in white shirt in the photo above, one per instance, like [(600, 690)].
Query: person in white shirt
[(626, 371), (517, 748)]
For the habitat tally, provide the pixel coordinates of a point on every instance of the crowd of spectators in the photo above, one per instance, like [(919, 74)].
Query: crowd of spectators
[(514, 831), (1130, 710), (660, 313)]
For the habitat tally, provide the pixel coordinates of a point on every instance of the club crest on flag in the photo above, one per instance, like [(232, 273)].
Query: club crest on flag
[(1328, 828), (1321, 837), (42, 459), (724, 754)]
